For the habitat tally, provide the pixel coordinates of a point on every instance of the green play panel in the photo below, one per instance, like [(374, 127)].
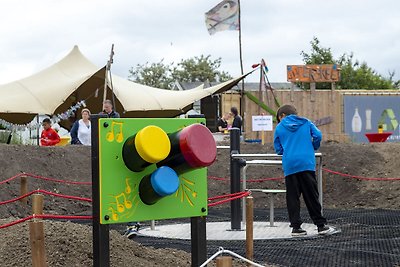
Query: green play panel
[(120, 200)]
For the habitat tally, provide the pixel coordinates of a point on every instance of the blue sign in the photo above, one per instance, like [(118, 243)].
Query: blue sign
[(364, 114)]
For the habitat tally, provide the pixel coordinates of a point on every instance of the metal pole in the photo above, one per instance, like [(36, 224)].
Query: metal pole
[(244, 185), (271, 209), (37, 130), (235, 178), (198, 240), (108, 66), (320, 190), (241, 60), (101, 238)]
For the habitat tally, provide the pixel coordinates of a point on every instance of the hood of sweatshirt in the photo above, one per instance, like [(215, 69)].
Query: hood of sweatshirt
[(293, 122)]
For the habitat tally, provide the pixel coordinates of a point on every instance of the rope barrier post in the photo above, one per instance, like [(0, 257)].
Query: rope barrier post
[(36, 233), (224, 261), (235, 177), (249, 228), (24, 189), (37, 204), (198, 240), (101, 235)]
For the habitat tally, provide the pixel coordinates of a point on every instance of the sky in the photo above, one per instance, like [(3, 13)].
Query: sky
[(36, 34)]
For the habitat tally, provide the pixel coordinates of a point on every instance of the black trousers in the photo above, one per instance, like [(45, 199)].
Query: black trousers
[(303, 183)]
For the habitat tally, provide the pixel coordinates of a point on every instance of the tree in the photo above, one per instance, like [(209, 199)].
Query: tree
[(155, 74), (196, 69), (353, 74)]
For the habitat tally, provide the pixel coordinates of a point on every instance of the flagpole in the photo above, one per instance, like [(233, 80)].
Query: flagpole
[(241, 60)]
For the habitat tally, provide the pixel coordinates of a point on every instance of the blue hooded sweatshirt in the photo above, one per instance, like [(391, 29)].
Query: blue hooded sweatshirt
[(297, 138)]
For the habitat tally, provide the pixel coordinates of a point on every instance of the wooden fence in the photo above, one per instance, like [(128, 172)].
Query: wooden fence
[(317, 105)]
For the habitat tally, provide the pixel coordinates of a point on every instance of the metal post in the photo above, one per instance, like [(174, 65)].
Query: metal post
[(320, 191), (235, 178), (37, 130), (271, 209), (198, 240), (244, 185), (101, 238)]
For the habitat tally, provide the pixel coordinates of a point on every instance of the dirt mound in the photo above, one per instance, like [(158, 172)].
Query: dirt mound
[(71, 242)]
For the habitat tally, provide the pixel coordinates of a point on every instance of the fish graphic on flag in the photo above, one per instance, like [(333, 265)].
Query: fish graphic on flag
[(222, 17)]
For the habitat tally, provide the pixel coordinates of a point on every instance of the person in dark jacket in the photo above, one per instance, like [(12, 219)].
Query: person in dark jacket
[(296, 139), (237, 120), (108, 109)]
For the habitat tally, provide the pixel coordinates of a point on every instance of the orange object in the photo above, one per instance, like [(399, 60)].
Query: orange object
[(64, 140)]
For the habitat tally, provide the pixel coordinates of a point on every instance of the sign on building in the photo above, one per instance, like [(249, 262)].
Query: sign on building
[(262, 123), (313, 73)]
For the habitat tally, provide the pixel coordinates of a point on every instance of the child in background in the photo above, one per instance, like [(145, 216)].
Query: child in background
[(49, 137), (296, 139)]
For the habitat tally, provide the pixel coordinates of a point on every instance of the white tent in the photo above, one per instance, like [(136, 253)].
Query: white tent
[(74, 78)]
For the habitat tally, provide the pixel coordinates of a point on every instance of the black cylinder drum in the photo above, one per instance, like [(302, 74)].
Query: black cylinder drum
[(161, 183), (148, 146)]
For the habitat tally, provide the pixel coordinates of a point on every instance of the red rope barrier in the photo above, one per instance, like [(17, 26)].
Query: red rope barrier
[(44, 178), (360, 177), (16, 222), (264, 179), (47, 216), (226, 196), (242, 194), (56, 180), (11, 178), (64, 196), (249, 181), (63, 217), (47, 193), (16, 199)]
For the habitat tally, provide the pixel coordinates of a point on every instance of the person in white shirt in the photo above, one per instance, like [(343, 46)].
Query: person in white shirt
[(81, 130)]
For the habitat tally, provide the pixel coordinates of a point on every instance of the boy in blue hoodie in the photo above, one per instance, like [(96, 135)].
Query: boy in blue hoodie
[(296, 139)]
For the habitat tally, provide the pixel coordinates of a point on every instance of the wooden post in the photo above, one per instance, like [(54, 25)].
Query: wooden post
[(262, 137), (249, 228), (224, 261), (37, 204), (24, 189), (333, 87), (36, 233)]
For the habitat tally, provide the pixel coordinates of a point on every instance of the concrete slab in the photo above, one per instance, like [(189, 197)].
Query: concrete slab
[(222, 231)]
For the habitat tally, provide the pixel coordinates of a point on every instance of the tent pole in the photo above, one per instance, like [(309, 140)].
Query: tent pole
[(37, 131), (108, 66)]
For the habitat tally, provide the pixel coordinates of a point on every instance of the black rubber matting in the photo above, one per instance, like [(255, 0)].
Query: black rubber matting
[(367, 238)]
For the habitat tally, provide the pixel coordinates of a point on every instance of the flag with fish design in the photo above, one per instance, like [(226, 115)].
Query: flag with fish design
[(224, 16)]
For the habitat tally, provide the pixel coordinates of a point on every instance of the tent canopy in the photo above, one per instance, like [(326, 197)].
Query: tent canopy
[(74, 78)]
